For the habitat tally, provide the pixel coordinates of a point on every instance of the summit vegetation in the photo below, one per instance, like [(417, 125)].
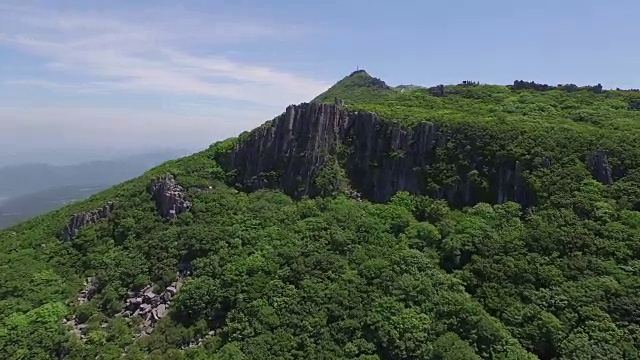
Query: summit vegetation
[(337, 277)]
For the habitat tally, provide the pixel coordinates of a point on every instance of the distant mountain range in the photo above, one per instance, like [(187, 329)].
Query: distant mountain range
[(32, 189), (21, 208), (24, 179)]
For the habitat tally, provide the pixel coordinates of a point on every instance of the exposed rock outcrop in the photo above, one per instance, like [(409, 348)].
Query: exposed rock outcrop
[(598, 164), (89, 290), (75, 327), (438, 91), (200, 340), (78, 221), (152, 305), (381, 158), (169, 196), (149, 304)]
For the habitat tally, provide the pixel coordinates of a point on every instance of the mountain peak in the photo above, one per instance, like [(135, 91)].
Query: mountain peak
[(360, 71), (357, 86)]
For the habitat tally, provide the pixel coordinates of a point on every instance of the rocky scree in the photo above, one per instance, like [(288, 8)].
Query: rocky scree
[(149, 304), (89, 290)]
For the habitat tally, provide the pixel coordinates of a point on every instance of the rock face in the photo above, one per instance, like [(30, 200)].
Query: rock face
[(78, 221), (88, 292), (169, 197), (152, 305), (598, 164), (149, 304), (381, 158), (90, 289)]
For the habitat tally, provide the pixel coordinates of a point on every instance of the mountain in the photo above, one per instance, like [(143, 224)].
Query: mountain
[(16, 180), (358, 86), (20, 208), (459, 221), (64, 155)]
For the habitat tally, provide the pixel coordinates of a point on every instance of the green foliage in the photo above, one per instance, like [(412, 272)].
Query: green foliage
[(331, 179), (357, 88), (336, 278), (34, 334), (277, 278)]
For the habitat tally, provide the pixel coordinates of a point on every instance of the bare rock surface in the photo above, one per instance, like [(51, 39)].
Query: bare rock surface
[(598, 164), (148, 303), (89, 290), (200, 340), (169, 196), (152, 305), (383, 158), (80, 220)]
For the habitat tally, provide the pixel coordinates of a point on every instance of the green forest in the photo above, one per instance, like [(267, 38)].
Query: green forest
[(333, 277)]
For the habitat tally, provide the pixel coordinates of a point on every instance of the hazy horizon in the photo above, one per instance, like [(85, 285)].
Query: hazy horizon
[(82, 79), (78, 155)]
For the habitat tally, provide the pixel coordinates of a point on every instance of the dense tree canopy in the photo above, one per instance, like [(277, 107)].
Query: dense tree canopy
[(332, 277)]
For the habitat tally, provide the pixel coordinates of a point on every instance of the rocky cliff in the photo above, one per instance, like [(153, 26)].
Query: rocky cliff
[(598, 165), (78, 221), (169, 196), (379, 158)]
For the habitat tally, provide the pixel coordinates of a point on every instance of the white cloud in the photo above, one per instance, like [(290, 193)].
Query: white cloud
[(86, 87), (147, 57), (148, 52)]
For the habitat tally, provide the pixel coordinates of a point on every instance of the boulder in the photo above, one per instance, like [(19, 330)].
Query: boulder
[(89, 291), (148, 295), (152, 306), (160, 311), (134, 303), (145, 308), (166, 297)]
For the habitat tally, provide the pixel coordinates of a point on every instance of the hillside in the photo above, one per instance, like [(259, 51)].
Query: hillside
[(450, 222)]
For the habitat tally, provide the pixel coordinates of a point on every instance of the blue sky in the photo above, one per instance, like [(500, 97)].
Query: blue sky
[(144, 74)]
